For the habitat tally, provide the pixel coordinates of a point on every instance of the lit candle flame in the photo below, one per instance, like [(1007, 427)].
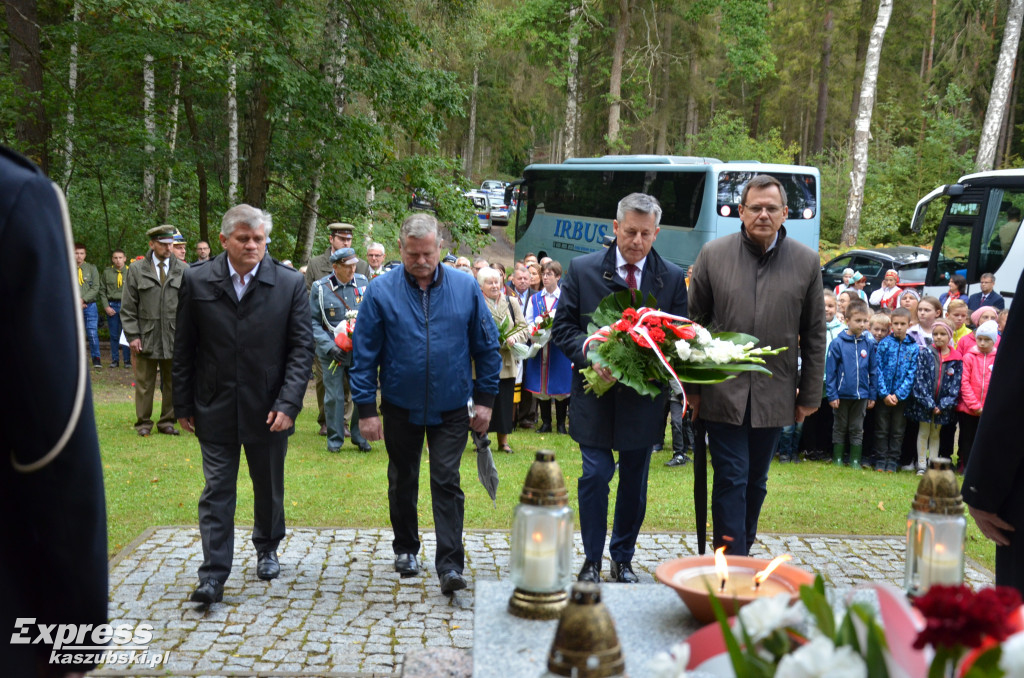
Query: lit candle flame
[(763, 574), (721, 568), (537, 537)]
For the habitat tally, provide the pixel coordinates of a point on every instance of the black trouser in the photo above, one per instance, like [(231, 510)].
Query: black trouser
[(404, 443), (968, 429), (217, 502), (561, 408), (890, 425)]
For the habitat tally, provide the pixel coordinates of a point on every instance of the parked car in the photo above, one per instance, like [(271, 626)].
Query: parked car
[(910, 262), (495, 189), (482, 205), (421, 200), (499, 213)]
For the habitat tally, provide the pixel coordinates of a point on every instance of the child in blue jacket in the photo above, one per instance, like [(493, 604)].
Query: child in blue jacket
[(850, 382), (897, 364)]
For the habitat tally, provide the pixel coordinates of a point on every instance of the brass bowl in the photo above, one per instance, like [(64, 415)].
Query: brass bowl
[(677, 574)]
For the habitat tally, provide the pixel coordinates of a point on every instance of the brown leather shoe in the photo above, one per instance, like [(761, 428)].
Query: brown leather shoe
[(323, 430), (143, 432), (168, 430)]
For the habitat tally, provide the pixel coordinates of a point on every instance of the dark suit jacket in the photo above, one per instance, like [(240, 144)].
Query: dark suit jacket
[(994, 477), (54, 568), (621, 419), (236, 361), (994, 299)]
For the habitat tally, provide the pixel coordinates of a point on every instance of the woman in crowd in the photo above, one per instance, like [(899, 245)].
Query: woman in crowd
[(536, 285), (502, 307), (548, 375), (957, 289)]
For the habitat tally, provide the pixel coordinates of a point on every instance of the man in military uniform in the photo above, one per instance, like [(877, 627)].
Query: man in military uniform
[(148, 307), (180, 246), (320, 266), (89, 290), (111, 286), (330, 300)]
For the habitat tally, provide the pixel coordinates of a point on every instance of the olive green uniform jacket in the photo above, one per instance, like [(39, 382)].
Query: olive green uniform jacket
[(148, 310), (320, 266), (90, 287), (109, 291)]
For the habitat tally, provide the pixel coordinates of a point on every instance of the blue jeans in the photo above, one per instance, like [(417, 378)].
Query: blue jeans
[(740, 456), (789, 441), (630, 501), (114, 324), (92, 319)]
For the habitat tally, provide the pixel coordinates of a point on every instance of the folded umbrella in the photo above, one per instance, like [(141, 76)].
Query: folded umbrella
[(486, 471), (700, 482)]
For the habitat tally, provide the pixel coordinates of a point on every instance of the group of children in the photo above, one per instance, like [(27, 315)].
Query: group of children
[(923, 376)]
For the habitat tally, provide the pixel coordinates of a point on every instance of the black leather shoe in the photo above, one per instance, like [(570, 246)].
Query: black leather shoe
[(658, 447), (364, 446), (623, 573), (267, 566), (563, 430), (407, 565), (209, 591), (678, 460), (323, 430), (590, 571), (544, 428), (168, 430), (452, 581)]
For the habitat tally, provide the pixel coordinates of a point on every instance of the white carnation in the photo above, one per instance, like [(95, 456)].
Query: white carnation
[(722, 352), (763, 616), (670, 664), (703, 336), (683, 349)]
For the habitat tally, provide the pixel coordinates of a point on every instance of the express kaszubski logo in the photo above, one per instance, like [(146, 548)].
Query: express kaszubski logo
[(72, 644)]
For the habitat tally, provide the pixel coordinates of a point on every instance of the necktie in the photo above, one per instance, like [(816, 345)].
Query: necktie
[(631, 270), (163, 274), (983, 297)]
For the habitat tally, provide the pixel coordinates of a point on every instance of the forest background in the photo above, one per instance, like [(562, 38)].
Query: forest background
[(168, 111)]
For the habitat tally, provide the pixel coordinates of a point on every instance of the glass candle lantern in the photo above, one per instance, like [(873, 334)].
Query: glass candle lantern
[(540, 548), (936, 528)]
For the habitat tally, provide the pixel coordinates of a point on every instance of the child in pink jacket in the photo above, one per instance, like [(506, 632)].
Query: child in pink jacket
[(978, 362)]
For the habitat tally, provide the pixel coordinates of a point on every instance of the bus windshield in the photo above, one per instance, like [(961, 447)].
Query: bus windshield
[(801, 192)]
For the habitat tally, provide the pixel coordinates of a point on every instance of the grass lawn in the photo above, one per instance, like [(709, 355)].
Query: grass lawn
[(157, 481)]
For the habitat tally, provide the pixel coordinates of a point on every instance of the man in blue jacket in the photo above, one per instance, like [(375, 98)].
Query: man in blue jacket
[(423, 327)]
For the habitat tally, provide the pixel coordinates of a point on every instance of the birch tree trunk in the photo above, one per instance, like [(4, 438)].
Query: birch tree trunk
[(615, 79), (69, 142), (467, 158), (232, 132), (572, 83), (172, 140), (148, 96), (333, 70), (664, 108), (1000, 88), (862, 130), (692, 121)]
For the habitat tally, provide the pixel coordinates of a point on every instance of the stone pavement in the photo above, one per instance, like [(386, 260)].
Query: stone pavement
[(339, 609)]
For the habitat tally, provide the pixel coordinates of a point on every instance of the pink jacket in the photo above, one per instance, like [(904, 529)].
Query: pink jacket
[(977, 377)]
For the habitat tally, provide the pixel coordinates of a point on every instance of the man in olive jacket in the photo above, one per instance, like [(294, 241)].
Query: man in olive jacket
[(759, 282), (242, 354), (621, 419), (149, 300)]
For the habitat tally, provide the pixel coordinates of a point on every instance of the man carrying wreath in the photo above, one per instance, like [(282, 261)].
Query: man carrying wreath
[(762, 283), (621, 419)]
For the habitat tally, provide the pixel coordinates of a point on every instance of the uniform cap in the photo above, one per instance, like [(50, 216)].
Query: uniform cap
[(345, 255), (164, 234), (341, 227)]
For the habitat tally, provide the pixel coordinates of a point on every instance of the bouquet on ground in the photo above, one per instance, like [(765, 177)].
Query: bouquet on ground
[(343, 339), (953, 632), (539, 336), (645, 348)]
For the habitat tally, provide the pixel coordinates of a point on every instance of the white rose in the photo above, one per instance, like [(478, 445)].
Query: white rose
[(670, 664), (820, 658), (1012, 659)]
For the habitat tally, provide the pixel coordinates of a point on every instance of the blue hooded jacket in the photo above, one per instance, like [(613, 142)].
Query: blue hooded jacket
[(897, 364), (936, 384), (850, 369)]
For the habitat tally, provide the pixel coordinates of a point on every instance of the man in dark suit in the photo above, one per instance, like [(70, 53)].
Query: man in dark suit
[(242, 354), (51, 479), (995, 466), (987, 296), (621, 419)]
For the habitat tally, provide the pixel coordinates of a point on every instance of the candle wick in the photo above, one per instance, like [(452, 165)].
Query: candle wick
[(722, 587), (757, 585)]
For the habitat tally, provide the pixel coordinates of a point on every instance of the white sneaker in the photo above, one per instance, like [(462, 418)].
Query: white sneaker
[(908, 467)]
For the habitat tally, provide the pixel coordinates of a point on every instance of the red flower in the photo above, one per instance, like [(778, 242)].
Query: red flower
[(631, 315), (682, 331), (622, 325), (343, 341), (956, 616), (657, 334)]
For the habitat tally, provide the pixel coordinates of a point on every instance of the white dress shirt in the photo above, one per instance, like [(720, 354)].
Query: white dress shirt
[(241, 284), (620, 267)]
